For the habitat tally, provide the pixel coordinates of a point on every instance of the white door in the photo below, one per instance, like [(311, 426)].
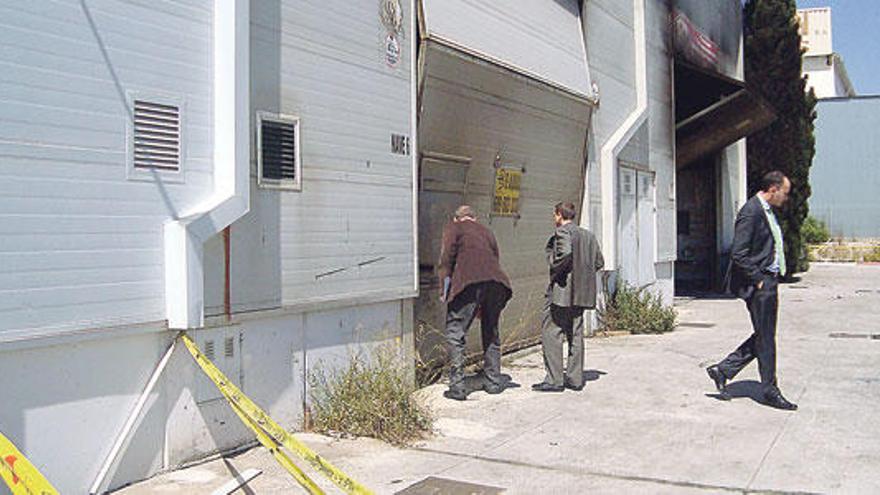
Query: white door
[(637, 227), (646, 215), (629, 230)]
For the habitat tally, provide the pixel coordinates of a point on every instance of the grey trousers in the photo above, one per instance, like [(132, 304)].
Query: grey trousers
[(560, 323), (490, 298)]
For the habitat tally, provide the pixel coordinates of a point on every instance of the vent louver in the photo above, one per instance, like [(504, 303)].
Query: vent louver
[(156, 136), (209, 350), (229, 347), (279, 152)]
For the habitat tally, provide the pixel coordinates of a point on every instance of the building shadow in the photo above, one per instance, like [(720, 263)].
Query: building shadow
[(237, 475)]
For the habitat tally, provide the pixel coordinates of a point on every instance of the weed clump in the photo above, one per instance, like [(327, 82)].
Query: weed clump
[(374, 396), (634, 310)]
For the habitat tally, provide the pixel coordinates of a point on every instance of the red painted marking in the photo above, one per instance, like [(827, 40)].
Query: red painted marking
[(10, 459)]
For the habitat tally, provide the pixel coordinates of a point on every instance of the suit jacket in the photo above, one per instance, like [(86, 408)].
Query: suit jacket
[(469, 255), (753, 250), (574, 257)]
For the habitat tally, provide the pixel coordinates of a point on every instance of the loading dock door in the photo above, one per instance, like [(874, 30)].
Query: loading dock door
[(506, 84), (501, 121)]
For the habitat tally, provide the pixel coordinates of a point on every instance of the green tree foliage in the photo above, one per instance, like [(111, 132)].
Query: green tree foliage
[(814, 231), (773, 69)]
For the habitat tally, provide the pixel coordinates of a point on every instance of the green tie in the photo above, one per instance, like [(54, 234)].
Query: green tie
[(777, 241)]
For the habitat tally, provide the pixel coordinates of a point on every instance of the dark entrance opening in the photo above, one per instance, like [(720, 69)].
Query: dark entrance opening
[(712, 111), (696, 192)]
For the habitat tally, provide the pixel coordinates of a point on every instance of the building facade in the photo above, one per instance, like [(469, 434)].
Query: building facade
[(239, 169), (272, 177), (824, 68), (844, 177)]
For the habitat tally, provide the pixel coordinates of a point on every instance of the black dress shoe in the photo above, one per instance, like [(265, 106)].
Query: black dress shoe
[(547, 387), (493, 388), (774, 398), (576, 388), (455, 394), (717, 376)]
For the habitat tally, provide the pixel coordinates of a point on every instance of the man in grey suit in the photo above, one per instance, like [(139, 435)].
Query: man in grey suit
[(574, 257)]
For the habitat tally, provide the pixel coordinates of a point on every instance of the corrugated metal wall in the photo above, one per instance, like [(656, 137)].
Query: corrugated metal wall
[(475, 111), (845, 177), (80, 245), (541, 38)]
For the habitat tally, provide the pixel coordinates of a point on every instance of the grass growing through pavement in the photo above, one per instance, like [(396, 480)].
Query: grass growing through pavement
[(374, 396), (636, 311)]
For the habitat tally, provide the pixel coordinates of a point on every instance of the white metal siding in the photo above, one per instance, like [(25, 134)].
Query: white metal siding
[(540, 37), (609, 33), (661, 127), (80, 245), (325, 63), (610, 44)]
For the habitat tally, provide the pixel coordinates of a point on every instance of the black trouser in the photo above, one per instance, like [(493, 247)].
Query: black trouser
[(763, 306), (490, 298)]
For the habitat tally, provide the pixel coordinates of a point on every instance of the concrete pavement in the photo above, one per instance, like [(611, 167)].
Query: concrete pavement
[(646, 421)]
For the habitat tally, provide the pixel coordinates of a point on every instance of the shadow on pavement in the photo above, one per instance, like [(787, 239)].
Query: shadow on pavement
[(593, 375), (751, 389), (475, 382)]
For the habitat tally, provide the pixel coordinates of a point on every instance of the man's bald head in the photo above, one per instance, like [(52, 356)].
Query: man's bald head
[(465, 212)]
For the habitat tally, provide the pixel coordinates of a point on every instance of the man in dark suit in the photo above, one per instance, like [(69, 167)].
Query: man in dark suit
[(574, 257), (757, 263), (469, 259)]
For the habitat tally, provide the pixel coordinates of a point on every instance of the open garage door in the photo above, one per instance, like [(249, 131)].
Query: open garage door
[(502, 129)]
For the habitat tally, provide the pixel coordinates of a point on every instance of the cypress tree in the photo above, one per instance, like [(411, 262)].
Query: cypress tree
[(773, 58)]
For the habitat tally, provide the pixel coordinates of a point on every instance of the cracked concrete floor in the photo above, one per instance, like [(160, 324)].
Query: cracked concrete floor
[(646, 421)]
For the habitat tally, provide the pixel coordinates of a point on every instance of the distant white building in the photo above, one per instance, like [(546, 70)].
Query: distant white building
[(825, 70)]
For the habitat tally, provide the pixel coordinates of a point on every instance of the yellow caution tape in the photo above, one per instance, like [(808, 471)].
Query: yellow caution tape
[(267, 429), (279, 455), (19, 474)]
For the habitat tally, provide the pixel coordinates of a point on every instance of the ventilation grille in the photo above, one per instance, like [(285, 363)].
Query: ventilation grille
[(229, 347), (156, 136), (279, 151), (209, 350)]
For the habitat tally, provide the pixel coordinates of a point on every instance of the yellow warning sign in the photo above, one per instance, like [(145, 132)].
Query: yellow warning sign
[(508, 182), (271, 434), (19, 474)]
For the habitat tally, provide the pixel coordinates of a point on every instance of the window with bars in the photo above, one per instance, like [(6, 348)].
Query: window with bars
[(278, 151)]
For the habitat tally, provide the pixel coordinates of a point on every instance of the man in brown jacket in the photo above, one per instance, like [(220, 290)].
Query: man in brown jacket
[(469, 259)]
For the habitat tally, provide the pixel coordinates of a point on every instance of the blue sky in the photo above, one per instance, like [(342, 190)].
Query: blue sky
[(855, 26)]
